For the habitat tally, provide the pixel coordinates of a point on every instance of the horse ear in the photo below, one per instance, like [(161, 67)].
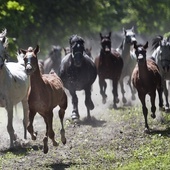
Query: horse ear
[(124, 31), (110, 34), (132, 28), (23, 51), (146, 45), (37, 49), (101, 36), (135, 45)]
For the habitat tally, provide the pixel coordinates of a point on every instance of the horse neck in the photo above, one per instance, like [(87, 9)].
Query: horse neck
[(36, 78), (143, 70), (4, 71), (126, 49)]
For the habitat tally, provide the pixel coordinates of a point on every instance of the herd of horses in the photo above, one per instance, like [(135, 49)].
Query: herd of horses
[(40, 85)]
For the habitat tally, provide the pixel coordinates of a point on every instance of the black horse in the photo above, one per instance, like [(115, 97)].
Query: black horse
[(78, 72)]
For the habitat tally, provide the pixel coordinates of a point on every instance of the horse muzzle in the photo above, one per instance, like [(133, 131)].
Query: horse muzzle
[(29, 69)]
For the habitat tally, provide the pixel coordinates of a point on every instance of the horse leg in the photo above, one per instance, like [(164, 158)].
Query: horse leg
[(166, 95), (161, 106), (144, 109), (133, 91), (49, 131), (25, 118), (10, 125), (122, 90), (75, 113), (45, 140), (62, 131), (115, 93), (103, 85), (30, 128), (88, 101), (153, 107)]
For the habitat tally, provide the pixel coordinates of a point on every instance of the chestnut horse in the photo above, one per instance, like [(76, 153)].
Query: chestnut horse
[(78, 72), (46, 93), (146, 79), (109, 66)]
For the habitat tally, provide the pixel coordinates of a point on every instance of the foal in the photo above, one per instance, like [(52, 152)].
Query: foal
[(46, 93), (146, 79)]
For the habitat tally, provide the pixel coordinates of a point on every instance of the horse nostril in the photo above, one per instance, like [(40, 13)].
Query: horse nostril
[(28, 67)]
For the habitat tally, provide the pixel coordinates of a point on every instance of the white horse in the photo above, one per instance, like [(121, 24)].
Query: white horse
[(129, 60), (14, 85), (161, 55)]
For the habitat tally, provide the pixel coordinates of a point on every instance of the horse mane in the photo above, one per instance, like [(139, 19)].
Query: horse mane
[(156, 41), (75, 38)]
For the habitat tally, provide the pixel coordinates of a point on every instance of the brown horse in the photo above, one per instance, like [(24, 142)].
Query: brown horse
[(46, 93), (109, 66), (146, 79)]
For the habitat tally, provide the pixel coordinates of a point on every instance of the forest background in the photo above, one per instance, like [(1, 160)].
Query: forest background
[(47, 22)]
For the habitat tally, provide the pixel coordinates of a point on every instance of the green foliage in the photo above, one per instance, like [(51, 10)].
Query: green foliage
[(33, 22)]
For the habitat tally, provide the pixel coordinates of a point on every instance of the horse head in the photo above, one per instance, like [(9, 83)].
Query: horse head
[(165, 54), (30, 59), (106, 42), (55, 52), (129, 36), (77, 49), (140, 51), (3, 47)]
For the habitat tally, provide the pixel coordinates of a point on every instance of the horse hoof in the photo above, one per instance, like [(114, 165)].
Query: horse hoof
[(104, 101), (115, 106), (45, 148), (63, 139), (153, 116), (124, 100), (162, 109), (91, 106), (117, 100), (74, 117), (55, 143), (133, 97), (147, 130)]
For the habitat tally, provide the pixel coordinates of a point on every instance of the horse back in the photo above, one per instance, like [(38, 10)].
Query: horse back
[(149, 80), (16, 82), (77, 77), (109, 65)]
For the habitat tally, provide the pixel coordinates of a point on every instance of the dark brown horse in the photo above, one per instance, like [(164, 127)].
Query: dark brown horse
[(109, 66), (46, 93), (146, 79)]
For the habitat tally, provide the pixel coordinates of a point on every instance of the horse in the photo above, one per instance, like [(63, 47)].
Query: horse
[(161, 55), (53, 60), (146, 78), (109, 65), (129, 60), (78, 72), (46, 93), (14, 86)]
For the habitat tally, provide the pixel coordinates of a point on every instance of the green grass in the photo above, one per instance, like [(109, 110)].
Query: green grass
[(129, 148)]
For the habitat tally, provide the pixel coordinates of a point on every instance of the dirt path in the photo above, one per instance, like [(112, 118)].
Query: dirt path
[(84, 141)]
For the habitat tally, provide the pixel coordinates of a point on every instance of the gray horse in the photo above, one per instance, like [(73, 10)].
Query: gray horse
[(129, 60)]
